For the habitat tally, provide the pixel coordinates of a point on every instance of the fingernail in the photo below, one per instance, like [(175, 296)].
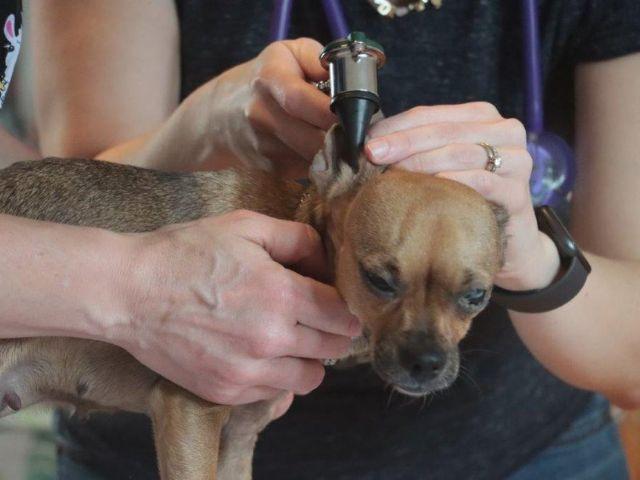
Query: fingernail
[(378, 149)]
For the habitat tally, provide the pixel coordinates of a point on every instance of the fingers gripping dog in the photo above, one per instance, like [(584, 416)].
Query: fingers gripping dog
[(413, 255)]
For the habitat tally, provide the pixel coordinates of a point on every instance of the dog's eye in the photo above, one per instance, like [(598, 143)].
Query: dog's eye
[(379, 284), (473, 299)]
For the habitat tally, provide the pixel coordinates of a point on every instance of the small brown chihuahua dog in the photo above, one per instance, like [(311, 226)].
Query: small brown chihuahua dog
[(414, 257)]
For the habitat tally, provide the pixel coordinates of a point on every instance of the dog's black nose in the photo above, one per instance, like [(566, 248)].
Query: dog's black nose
[(426, 366), (422, 357)]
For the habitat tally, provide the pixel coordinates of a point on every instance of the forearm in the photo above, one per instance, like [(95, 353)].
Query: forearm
[(190, 139), (592, 342), (182, 142), (60, 280)]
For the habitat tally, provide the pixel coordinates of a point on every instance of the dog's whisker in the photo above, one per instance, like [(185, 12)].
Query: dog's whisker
[(466, 375), (478, 350), (391, 392), (424, 402)]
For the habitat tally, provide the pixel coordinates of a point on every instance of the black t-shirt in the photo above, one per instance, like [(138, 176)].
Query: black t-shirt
[(506, 407)]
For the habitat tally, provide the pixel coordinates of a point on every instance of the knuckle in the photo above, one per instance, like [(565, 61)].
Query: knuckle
[(306, 43), (275, 47), (224, 376), (233, 396), (242, 216), (285, 291), (252, 111), (516, 129), (527, 163), (292, 97), (419, 112), (263, 77), (240, 374), (266, 343), (485, 108), (224, 397)]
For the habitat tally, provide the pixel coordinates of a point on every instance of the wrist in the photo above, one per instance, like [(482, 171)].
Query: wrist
[(539, 271), (128, 285), (574, 269), (144, 292), (106, 293)]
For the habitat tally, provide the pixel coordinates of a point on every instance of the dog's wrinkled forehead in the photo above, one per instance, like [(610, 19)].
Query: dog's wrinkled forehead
[(421, 218)]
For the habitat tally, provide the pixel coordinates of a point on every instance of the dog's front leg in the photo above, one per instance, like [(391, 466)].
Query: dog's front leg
[(187, 433), (239, 437)]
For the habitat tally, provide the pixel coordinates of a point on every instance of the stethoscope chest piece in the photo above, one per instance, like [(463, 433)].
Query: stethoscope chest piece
[(553, 174)]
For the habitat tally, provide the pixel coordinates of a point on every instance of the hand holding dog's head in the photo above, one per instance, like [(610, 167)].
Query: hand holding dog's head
[(414, 258)]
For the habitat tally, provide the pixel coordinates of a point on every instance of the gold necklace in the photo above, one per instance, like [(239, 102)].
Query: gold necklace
[(399, 8)]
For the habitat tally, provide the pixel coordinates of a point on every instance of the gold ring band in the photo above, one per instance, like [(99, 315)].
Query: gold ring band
[(494, 160)]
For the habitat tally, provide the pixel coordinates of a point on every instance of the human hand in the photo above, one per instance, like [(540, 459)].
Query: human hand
[(443, 140), (215, 310), (266, 112)]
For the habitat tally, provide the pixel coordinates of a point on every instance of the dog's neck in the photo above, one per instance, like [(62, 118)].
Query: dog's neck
[(313, 210)]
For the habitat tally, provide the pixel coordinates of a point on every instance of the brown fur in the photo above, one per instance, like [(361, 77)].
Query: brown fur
[(435, 236)]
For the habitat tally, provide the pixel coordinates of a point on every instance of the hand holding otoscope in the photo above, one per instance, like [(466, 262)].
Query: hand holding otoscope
[(353, 64)]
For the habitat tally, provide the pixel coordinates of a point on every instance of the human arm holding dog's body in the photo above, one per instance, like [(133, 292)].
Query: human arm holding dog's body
[(592, 342), (176, 287), (157, 132)]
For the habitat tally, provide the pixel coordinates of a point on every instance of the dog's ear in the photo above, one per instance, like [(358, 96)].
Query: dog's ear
[(330, 172)]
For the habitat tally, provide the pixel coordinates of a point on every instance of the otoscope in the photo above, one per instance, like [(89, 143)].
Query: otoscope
[(353, 64), (353, 61)]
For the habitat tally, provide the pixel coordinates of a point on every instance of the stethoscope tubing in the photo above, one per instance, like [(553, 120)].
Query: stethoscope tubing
[(533, 103), (281, 19), (533, 91)]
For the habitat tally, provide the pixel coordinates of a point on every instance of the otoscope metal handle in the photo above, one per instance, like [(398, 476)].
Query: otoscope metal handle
[(353, 64)]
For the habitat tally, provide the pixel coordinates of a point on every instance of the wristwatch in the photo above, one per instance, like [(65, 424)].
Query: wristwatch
[(574, 269)]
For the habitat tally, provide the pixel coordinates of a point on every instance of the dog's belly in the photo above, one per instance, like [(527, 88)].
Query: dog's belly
[(84, 374)]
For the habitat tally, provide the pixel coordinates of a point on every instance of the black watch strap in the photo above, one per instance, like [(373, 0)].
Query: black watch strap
[(574, 271)]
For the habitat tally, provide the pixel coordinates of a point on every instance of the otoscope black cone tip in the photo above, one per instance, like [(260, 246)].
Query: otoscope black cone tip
[(355, 115)]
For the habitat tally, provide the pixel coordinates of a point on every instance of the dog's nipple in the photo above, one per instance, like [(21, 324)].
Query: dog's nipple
[(11, 400)]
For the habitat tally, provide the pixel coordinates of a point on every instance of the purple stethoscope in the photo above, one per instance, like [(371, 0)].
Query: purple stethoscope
[(554, 170)]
